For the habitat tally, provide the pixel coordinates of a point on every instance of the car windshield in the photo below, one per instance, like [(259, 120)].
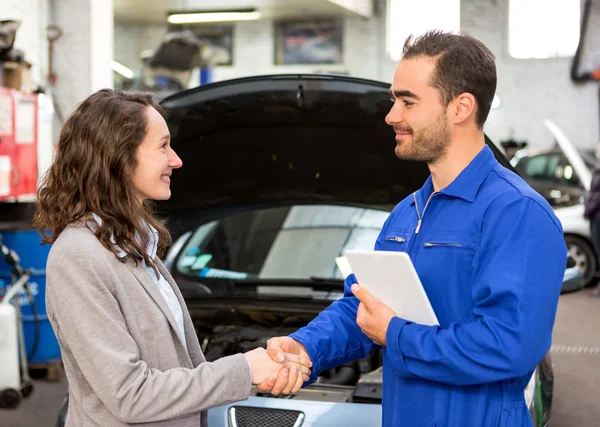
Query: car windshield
[(290, 243)]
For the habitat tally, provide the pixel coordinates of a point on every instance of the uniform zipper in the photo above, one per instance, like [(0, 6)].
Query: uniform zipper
[(396, 239), (424, 209), (455, 245)]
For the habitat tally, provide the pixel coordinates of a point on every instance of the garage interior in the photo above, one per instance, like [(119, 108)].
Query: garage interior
[(545, 118)]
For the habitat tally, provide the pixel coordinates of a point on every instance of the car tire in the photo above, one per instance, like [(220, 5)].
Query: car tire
[(581, 251)]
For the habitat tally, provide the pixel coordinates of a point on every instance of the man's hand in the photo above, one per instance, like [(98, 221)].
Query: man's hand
[(264, 369), (373, 317), (286, 348)]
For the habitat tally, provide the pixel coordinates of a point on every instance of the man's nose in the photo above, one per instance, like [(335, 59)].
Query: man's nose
[(394, 116)]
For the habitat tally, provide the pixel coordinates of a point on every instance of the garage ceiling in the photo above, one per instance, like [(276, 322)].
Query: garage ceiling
[(155, 11)]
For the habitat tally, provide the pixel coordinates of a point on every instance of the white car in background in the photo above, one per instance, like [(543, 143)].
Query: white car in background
[(563, 175)]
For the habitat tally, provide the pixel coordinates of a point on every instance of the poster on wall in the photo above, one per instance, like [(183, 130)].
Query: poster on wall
[(217, 38), (318, 41), (25, 122), (5, 170), (6, 114)]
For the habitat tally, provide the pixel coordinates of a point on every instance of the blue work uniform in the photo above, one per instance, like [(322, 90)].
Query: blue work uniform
[(491, 256)]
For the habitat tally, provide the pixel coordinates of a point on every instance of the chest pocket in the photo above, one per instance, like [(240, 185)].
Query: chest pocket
[(449, 254), (458, 240), (397, 240), (445, 266)]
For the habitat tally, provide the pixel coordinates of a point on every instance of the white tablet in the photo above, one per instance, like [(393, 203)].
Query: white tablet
[(390, 276)]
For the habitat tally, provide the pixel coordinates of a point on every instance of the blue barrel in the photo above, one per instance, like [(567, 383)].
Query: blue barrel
[(33, 255), (206, 75)]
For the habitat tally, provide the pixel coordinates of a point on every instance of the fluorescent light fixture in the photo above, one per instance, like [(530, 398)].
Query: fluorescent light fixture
[(121, 69), (362, 7), (536, 30), (212, 16), (495, 102), (406, 17)]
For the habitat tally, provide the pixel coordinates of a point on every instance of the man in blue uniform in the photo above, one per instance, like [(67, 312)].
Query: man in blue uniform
[(488, 249)]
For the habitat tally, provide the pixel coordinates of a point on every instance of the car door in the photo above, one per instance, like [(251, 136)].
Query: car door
[(544, 173), (570, 186)]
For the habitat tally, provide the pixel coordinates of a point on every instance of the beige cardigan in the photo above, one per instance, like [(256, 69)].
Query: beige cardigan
[(124, 360)]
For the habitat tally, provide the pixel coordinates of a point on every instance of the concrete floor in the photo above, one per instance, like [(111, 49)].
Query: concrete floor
[(576, 360), (575, 355)]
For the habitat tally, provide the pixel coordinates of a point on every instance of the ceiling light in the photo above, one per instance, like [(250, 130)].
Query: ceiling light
[(122, 69), (495, 102), (212, 16)]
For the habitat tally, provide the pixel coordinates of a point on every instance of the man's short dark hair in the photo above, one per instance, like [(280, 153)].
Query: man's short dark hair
[(463, 64)]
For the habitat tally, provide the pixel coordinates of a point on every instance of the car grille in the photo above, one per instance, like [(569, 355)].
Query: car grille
[(247, 416)]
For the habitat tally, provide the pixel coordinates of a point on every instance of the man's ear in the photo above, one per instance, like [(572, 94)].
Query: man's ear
[(462, 108)]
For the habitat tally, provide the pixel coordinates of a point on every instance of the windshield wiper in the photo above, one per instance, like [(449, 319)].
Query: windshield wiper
[(321, 279), (314, 282)]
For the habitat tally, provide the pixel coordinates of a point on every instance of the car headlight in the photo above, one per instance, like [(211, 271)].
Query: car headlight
[(530, 389)]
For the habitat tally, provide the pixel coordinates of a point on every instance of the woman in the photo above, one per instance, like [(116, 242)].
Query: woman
[(128, 345)]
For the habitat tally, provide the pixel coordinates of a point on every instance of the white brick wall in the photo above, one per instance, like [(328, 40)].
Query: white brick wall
[(82, 55), (533, 90), (591, 49), (530, 90), (131, 40), (252, 49), (31, 36), (102, 42)]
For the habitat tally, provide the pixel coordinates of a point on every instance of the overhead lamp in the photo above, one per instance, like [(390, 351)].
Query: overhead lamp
[(495, 102), (194, 17), (121, 69)]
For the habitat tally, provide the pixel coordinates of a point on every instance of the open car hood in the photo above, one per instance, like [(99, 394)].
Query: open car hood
[(287, 139), (575, 159)]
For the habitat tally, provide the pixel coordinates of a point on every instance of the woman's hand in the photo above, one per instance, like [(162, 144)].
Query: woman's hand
[(291, 373)]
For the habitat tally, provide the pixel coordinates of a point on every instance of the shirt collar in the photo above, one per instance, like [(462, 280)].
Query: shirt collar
[(467, 183), (152, 242), (152, 247)]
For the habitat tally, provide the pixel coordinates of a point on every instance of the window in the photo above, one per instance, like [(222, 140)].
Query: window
[(280, 243), (406, 17), (537, 29), (543, 167)]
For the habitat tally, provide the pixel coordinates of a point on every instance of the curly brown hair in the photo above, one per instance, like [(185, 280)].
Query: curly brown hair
[(91, 173)]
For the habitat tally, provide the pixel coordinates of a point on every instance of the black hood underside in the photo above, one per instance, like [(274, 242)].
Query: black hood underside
[(286, 139)]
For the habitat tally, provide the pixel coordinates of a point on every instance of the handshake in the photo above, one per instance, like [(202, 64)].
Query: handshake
[(282, 368)]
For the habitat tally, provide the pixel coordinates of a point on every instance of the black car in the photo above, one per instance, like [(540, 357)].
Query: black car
[(552, 175), (564, 180), (281, 175)]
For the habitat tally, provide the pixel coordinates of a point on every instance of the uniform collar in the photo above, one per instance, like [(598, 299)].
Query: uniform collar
[(466, 185)]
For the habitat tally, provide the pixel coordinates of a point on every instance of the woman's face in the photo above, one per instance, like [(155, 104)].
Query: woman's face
[(155, 161)]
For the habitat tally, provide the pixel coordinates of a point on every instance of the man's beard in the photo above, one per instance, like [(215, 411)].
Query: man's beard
[(428, 145)]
